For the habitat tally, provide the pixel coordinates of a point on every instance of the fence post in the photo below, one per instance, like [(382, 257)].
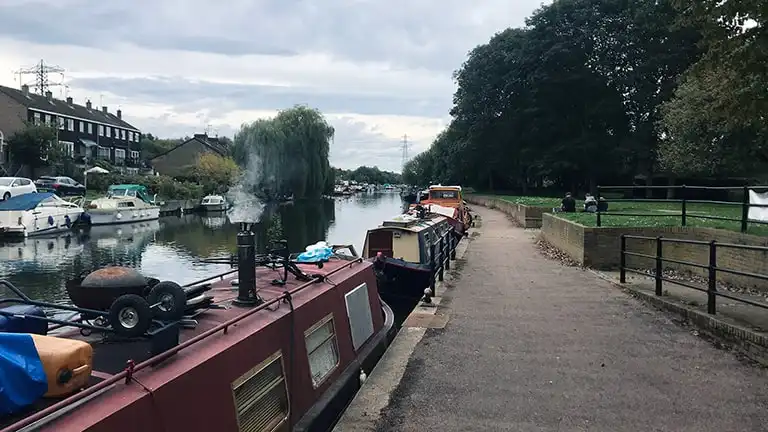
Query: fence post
[(683, 207), (712, 287), (623, 260), (448, 239), (659, 265), (434, 268), (599, 220), (745, 209), (454, 244), (442, 258)]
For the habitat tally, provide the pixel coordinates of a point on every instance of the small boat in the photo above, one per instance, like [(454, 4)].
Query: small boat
[(124, 203), (214, 203), (37, 213), (267, 355), (447, 201), (400, 249)]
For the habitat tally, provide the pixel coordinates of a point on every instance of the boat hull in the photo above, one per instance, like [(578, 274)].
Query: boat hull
[(213, 208), (401, 281), (112, 217), (36, 224)]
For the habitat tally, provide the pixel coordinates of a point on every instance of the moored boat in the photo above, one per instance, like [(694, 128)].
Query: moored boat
[(214, 203), (447, 201), (271, 355), (124, 203), (401, 250), (36, 214)]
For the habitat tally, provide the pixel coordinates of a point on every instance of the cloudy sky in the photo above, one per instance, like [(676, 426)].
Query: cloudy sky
[(377, 69)]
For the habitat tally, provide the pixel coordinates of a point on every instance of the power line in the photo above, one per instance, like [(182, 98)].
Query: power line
[(41, 72)]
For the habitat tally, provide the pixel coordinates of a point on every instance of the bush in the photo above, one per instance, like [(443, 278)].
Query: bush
[(164, 186)]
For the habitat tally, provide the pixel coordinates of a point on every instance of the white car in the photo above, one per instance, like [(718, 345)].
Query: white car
[(15, 186)]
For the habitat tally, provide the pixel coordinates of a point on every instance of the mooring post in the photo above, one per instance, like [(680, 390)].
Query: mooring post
[(246, 267)]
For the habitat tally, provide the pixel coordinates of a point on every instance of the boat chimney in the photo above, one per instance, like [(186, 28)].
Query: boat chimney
[(246, 267)]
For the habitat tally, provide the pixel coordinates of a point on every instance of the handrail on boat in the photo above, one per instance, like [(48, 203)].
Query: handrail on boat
[(128, 372)]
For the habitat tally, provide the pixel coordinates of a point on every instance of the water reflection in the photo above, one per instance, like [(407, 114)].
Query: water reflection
[(171, 247)]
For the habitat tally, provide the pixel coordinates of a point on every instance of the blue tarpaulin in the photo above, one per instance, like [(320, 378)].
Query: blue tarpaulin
[(22, 377), (318, 252), (24, 202)]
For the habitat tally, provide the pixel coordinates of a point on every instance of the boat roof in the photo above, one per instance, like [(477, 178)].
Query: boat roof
[(445, 187), (24, 202), (128, 186), (408, 222), (110, 356)]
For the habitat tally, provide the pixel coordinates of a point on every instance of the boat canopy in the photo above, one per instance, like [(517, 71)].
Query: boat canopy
[(129, 190), (24, 202)]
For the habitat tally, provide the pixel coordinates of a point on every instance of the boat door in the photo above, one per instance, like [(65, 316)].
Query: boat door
[(380, 241)]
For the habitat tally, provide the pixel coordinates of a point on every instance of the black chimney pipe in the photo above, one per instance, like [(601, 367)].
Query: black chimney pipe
[(246, 268)]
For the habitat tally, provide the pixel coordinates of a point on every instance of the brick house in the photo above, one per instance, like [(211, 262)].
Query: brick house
[(87, 133), (180, 159)]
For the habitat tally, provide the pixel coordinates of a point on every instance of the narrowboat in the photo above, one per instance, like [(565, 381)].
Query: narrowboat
[(400, 250), (243, 350), (124, 203), (449, 202)]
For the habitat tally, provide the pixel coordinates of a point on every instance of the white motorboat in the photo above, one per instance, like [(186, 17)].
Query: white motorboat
[(124, 203), (37, 213), (214, 203)]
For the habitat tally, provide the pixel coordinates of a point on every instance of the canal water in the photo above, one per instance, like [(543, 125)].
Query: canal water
[(171, 248)]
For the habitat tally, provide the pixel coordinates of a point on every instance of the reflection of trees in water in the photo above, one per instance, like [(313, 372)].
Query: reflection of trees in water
[(300, 223), (191, 233)]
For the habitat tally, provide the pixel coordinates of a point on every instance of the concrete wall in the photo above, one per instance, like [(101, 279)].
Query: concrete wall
[(600, 248), (526, 216)]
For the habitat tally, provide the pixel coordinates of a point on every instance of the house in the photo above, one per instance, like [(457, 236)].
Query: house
[(87, 133), (180, 159)]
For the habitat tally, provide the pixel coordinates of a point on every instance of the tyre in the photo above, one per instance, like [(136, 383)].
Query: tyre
[(171, 301), (130, 316), (6, 196)]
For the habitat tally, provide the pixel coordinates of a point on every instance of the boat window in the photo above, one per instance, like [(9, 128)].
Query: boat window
[(126, 204), (443, 194), (261, 396), (322, 350)]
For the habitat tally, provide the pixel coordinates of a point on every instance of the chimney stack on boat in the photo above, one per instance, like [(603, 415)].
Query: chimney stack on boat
[(246, 267)]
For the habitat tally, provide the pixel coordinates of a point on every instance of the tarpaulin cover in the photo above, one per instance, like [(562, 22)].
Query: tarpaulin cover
[(22, 378)]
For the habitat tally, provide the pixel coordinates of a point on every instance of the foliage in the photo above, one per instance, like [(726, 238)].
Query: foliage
[(35, 146), (212, 168), (287, 154), (166, 187), (570, 100), (716, 123), (372, 175), (152, 146)]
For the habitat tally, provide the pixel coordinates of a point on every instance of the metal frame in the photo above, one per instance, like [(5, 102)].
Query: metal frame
[(712, 267), (441, 257)]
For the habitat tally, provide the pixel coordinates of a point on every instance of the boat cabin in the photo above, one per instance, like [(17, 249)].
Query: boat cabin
[(130, 191), (446, 196), (406, 237)]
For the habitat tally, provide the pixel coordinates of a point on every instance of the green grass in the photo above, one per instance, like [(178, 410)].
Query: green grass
[(660, 214)]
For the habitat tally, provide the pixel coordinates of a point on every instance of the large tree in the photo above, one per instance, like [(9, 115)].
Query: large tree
[(35, 146)]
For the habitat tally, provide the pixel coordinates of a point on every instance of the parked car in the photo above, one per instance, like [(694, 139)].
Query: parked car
[(62, 186), (15, 186)]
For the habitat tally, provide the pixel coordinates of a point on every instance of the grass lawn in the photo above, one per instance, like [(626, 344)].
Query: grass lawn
[(660, 214)]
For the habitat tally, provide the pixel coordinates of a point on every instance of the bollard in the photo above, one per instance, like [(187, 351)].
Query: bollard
[(246, 268)]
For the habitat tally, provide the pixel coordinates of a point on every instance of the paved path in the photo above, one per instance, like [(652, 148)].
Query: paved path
[(532, 345)]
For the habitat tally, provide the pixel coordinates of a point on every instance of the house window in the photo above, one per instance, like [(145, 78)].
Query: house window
[(36, 118), (90, 128), (70, 125), (82, 126), (67, 147), (48, 119), (322, 350), (261, 396), (133, 171), (109, 132), (130, 136), (61, 123), (101, 130), (122, 134), (102, 152), (134, 154), (119, 154)]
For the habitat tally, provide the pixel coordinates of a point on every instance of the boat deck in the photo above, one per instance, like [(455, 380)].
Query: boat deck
[(112, 355)]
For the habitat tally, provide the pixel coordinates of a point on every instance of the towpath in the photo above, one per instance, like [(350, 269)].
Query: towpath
[(532, 345)]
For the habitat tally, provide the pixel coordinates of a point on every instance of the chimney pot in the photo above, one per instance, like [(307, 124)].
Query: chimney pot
[(49, 95), (88, 104), (25, 89), (104, 109), (120, 114), (69, 100)]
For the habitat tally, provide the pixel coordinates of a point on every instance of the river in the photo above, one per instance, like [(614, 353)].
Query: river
[(171, 248)]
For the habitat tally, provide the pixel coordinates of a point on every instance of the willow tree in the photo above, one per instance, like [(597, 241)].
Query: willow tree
[(287, 154)]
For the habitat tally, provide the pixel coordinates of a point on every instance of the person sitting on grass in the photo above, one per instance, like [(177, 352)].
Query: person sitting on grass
[(602, 205), (590, 204), (568, 205)]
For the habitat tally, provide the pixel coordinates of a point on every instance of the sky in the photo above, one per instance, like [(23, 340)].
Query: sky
[(378, 70)]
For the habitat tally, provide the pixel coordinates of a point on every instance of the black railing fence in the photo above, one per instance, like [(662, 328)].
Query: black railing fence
[(442, 253), (711, 266), (683, 191)]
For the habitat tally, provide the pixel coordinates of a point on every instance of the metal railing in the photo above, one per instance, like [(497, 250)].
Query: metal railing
[(712, 268), (441, 255), (684, 214)]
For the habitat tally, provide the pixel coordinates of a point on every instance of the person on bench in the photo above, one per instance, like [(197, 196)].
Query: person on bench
[(568, 205), (602, 205)]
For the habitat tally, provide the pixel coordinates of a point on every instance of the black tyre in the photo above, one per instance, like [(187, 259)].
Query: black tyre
[(6, 196), (130, 316), (171, 301)]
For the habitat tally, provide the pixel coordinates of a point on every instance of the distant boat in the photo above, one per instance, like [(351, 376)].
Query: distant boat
[(124, 203), (214, 203)]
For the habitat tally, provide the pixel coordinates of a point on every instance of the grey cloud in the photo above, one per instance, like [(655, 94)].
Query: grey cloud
[(188, 96)]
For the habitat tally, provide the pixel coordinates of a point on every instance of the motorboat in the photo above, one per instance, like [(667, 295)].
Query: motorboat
[(214, 203), (37, 213), (124, 203)]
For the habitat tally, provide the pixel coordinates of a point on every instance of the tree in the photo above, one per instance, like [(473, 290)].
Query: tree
[(287, 154), (35, 146), (220, 170)]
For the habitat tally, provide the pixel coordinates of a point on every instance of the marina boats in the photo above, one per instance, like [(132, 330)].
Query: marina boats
[(37, 214), (214, 203), (449, 202), (243, 350), (401, 251), (124, 203)]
